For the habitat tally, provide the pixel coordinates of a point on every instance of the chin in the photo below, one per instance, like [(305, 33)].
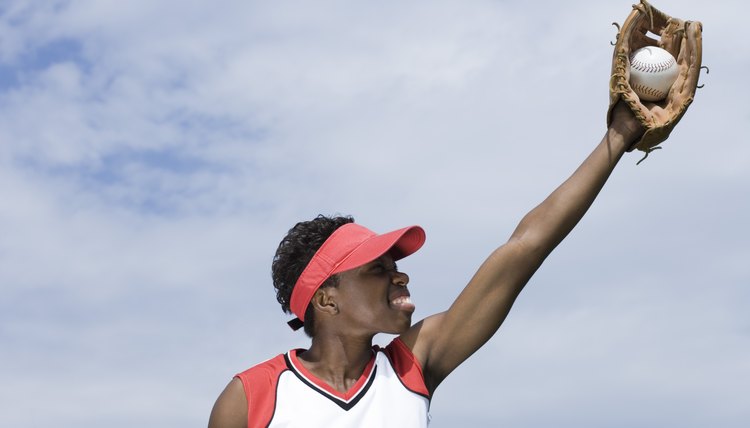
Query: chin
[(404, 326), (397, 325)]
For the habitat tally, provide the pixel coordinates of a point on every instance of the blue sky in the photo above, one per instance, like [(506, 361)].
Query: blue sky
[(153, 153)]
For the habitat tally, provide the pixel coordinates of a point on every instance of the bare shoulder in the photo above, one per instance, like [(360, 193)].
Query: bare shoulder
[(230, 409), (420, 339), (418, 336)]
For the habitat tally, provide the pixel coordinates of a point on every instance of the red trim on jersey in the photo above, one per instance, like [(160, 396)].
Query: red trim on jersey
[(262, 379), (407, 367), (346, 396), (260, 382)]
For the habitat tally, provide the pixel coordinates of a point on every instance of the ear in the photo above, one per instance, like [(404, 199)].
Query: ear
[(324, 300)]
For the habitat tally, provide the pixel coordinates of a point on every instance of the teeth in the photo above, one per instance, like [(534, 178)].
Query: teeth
[(401, 300)]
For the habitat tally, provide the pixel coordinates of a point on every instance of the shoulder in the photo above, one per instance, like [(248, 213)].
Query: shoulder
[(420, 337), (264, 373), (407, 367), (247, 392), (419, 340), (230, 409)]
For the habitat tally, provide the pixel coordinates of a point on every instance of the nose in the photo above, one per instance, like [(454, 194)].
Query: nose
[(401, 279)]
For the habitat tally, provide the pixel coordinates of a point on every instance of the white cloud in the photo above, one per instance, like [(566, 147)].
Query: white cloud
[(152, 154)]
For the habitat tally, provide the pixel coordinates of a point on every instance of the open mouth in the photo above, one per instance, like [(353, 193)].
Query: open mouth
[(403, 303)]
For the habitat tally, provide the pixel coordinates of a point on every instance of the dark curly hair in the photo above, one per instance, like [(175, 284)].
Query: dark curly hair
[(295, 252)]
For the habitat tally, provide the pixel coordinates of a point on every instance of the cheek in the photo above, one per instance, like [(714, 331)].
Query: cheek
[(365, 304)]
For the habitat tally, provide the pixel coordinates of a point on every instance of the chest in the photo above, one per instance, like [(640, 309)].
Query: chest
[(383, 401)]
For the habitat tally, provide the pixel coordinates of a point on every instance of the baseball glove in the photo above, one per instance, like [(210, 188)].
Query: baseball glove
[(680, 38)]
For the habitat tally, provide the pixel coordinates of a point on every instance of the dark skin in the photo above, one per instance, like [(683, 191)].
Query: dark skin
[(350, 315)]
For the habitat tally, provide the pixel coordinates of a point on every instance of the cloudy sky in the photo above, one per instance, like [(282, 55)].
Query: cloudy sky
[(154, 152)]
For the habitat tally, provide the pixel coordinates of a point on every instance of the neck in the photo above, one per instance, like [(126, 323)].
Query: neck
[(337, 360)]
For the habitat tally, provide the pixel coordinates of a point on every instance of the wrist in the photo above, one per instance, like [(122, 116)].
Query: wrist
[(624, 125), (623, 138), (628, 133)]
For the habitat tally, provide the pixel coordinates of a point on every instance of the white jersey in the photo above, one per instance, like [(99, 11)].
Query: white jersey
[(390, 393)]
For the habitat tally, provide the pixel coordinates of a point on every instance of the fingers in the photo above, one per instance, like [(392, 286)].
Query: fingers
[(689, 61), (693, 53), (671, 36)]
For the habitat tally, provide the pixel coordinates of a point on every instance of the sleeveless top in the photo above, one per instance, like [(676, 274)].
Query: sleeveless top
[(391, 392)]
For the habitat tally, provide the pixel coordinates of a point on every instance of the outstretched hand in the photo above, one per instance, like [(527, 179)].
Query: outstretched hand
[(682, 39)]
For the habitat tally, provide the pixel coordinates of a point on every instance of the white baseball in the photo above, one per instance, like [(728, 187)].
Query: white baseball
[(652, 72)]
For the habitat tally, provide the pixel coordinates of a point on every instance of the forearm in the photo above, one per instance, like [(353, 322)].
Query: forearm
[(449, 338), (544, 227), (443, 341)]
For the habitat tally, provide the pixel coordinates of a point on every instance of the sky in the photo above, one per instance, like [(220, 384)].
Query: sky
[(154, 152)]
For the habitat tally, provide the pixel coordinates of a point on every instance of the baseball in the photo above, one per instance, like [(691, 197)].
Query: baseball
[(652, 72)]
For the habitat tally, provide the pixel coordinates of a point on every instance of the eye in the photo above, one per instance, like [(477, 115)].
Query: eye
[(380, 268)]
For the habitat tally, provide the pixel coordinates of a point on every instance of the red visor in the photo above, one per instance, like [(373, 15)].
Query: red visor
[(348, 247)]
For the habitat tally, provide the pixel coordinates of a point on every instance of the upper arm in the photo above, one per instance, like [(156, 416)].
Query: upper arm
[(443, 341), (230, 409)]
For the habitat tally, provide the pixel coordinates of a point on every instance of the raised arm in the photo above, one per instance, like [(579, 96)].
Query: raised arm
[(443, 341)]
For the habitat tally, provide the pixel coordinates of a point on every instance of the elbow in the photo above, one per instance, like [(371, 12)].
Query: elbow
[(529, 248)]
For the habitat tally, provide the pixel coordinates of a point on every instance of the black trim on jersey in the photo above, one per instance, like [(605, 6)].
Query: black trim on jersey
[(341, 403), (388, 357)]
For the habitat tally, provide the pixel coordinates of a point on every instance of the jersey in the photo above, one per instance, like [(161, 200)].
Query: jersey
[(391, 392)]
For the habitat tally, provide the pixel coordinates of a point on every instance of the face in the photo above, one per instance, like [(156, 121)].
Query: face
[(373, 298)]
